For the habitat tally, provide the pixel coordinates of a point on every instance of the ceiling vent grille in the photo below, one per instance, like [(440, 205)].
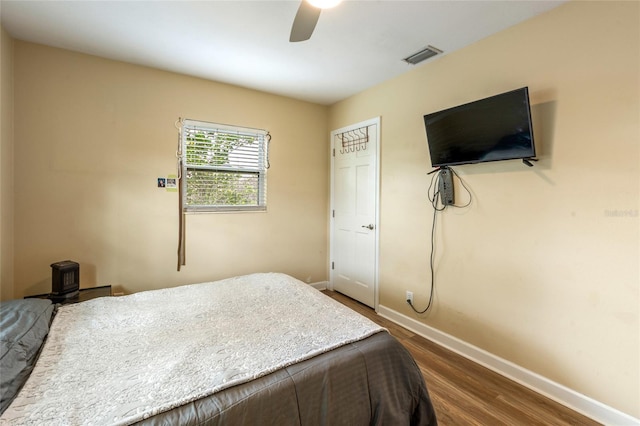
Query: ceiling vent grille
[(426, 53)]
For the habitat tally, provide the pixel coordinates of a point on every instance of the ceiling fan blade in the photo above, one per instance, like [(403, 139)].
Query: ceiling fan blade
[(305, 22)]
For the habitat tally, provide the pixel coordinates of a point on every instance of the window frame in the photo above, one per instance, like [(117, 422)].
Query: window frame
[(263, 138)]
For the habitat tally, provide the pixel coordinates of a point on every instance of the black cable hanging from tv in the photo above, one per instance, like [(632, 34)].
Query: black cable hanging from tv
[(436, 187)]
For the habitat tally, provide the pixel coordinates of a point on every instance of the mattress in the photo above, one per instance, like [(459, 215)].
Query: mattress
[(262, 348)]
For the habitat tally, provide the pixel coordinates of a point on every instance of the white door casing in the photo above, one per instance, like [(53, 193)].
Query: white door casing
[(354, 211)]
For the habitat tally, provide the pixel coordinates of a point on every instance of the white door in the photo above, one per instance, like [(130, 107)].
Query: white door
[(354, 194)]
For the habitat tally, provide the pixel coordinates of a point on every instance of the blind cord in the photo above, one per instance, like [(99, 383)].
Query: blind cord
[(181, 216), (268, 143)]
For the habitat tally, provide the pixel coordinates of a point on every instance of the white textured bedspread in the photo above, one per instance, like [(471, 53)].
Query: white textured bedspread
[(116, 360)]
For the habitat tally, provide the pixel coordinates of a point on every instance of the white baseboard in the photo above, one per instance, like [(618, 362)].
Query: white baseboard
[(576, 401), (321, 285)]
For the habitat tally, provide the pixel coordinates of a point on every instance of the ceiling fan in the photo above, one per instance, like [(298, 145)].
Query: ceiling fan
[(307, 17)]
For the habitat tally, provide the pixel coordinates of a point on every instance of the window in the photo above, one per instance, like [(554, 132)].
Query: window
[(224, 168)]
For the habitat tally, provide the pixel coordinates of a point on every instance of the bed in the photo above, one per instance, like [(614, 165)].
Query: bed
[(255, 349)]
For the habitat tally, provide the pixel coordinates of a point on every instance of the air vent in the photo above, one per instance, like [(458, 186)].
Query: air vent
[(422, 55)]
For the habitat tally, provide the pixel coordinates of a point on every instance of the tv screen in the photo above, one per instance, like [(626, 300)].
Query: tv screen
[(491, 129)]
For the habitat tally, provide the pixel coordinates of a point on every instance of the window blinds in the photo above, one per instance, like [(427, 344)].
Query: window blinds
[(224, 167)]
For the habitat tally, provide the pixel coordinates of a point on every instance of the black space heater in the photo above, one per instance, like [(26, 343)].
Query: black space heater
[(65, 279)]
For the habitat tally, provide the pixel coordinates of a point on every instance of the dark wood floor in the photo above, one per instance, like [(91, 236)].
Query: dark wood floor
[(465, 393)]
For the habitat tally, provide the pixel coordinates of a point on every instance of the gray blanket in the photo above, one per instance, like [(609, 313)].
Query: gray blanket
[(371, 382), (24, 324)]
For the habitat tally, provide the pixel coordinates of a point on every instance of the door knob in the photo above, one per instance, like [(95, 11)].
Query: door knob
[(370, 226)]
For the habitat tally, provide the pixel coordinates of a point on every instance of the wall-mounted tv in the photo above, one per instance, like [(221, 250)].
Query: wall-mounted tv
[(490, 129)]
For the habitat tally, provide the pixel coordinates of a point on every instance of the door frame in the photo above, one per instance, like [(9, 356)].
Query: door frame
[(372, 121)]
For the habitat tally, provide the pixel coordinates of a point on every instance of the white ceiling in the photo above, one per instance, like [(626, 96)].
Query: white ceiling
[(355, 46)]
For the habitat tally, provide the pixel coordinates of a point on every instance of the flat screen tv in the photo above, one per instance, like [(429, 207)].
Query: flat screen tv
[(490, 129)]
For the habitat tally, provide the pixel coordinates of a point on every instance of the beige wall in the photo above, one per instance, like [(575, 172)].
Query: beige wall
[(539, 270), (6, 165), (92, 136)]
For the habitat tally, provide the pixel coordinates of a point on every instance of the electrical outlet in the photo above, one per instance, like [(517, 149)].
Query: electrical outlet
[(409, 297)]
